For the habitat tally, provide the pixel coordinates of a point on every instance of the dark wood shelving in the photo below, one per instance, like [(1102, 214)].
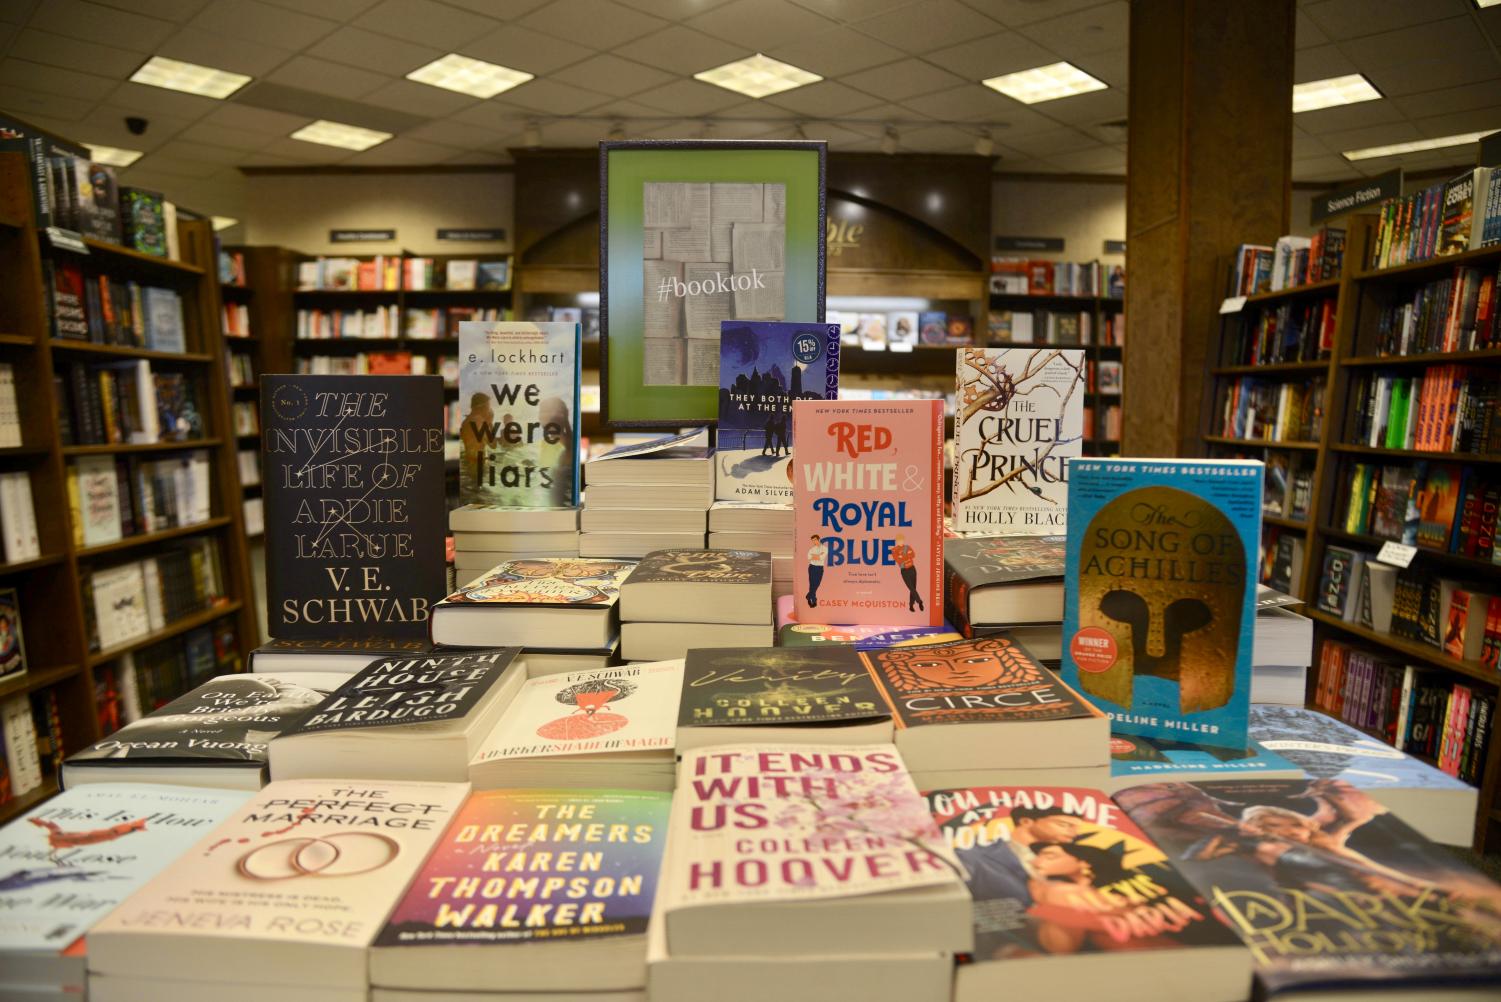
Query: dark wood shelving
[(1271, 369), (36, 678), (110, 450), (1411, 648), (147, 538), (1443, 457), (18, 339), (1294, 292), (26, 801), (167, 632), (1427, 358), (1431, 266), (1261, 443), (1296, 524), (62, 344), (135, 258), (25, 451), (1475, 565), (21, 566)]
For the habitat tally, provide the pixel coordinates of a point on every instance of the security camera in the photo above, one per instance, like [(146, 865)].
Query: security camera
[(136, 124)]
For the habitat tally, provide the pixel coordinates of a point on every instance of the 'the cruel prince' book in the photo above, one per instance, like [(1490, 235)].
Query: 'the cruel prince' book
[(1160, 594), (763, 368), (519, 391), (354, 487)]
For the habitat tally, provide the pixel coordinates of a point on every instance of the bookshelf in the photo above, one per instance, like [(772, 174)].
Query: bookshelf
[(63, 671)]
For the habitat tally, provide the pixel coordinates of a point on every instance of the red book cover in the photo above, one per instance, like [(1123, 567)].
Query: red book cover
[(868, 493)]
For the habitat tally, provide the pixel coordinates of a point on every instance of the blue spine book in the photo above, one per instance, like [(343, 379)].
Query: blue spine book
[(763, 367), (1160, 594)]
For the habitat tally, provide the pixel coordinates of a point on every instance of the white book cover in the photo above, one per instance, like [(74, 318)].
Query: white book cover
[(824, 821), (632, 708), (98, 499), (120, 604)]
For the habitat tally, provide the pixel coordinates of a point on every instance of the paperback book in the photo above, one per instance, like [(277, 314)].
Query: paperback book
[(1135, 759), (1010, 580), (697, 586), (794, 633), (540, 603)]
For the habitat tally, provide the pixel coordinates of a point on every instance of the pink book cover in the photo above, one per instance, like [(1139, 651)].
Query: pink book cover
[(868, 489)]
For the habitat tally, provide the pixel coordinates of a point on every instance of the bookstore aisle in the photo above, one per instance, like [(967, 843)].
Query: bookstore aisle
[(621, 502)]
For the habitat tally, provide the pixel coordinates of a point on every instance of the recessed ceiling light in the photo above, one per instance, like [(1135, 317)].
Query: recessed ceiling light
[(349, 137), (114, 156), (1045, 83), (469, 76), (190, 78), (1486, 3), (1316, 94), (1416, 146), (223, 222), (757, 76)]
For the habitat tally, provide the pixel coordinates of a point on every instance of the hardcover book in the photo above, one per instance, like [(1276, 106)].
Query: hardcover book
[(695, 586), (729, 689), (12, 644), (547, 603), (1010, 580), (1160, 593), (764, 367), (1020, 417), (519, 392), (354, 486), (868, 489)]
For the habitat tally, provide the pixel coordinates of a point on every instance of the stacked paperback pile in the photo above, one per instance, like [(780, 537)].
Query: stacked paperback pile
[(1281, 651), (680, 599), (756, 525), (487, 535), (1010, 583), (651, 496)]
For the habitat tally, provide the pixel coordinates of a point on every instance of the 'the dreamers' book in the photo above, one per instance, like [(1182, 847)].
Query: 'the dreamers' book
[(869, 499), (1020, 417), (1160, 594), (763, 367)]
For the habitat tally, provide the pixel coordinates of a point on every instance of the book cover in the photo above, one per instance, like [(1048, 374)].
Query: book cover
[(1437, 501), (1020, 417), (999, 561), (1135, 759), (702, 567), (794, 633), (68, 862), (1160, 592), (743, 687), (847, 820), (552, 865), (1327, 889), (868, 493), (1327, 748), (763, 367), (354, 486), (12, 644), (1062, 871), (519, 391), (551, 581), (629, 708), (984, 680), (423, 690), (933, 327)]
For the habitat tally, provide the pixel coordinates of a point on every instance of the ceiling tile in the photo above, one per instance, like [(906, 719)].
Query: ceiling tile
[(1461, 98), (834, 52), (1100, 160), (105, 125), (981, 58), (502, 10), (261, 22), (200, 152), (628, 110), (1307, 33), (309, 152), (1346, 19), (1082, 32), (18, 12), (218, 135), (551, 97), (1455, 36), (902, 80), (756, 109), (597, 23), (339, 10), (612, 75), (261, 158), (936, 139), (761, 24), (1320, 168), (324, 77), (1110, 66), (1049, 144), (1014, 13), (140, 99), (928, 25), (1307, 145), (223, 52), (180, 167), (1086, 109), (690, 98), (1351, 116), (426, 22), (451, 132), (572, 132), (1448, 69), (244, 118), (54, 80), (357, 47), (167, 10), (76, 54), (419, 99), (880, 113), (673, 10), (474, 157), (30, 104), (402, 150), (682, 50), (1457, 122), (1320, 62), (492, 115), (851, 10), (1374, 135), (524, 49), (828, 99), (103, 25), (1028, 166)]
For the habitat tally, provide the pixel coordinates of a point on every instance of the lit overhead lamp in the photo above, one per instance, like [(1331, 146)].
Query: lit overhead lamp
[(223, 222), (757, 76), (113, 156), (1045, 83), (889, 140), (348, 137), (474, 77), (1333, 92), (984, 145), (190, 78), (1415, 146)]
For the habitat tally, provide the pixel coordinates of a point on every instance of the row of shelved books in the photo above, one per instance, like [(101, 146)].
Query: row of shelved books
[(1283, 332), (1282, 560), (1060, 327), (232, 269), (386, 273), (1020, 276), (902, 330), (1290, 262), (1109, 427), (104, 310), (1415, 710), (128, 402), (246, 417), (541, 313), (144, 681), (1103, 376), (255, 516), (1458, 313), (240, 368), (234, 319), (1271, 410), (31, 743), (1287, 489), (18, 526), (1448, 217), (380, 363), (389, 322), (113, 497), (249, 461), (130, 600), (1449, 408), (12, 644), (1438, 506), (10, 411)]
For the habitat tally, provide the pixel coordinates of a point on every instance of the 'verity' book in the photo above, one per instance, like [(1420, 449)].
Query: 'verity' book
[(763, 367), (519, 396), (354, 498), (1019, 419), (1159, 611)]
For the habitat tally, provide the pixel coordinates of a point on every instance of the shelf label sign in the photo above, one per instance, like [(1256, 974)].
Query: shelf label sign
[(360, 236), (472, 234), (1367, 191), (1233, 304), (1054, 244), (66, 240), (1115, 246), (1396, 554)]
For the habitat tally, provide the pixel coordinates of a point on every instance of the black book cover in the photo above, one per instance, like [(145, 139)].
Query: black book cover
[(354, 505), (747, 686), (999, 560), (403, 690), (702, 567)]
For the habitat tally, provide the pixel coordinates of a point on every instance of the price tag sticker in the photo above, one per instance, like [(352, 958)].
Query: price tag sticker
[(1233, 305), (1397, 554)]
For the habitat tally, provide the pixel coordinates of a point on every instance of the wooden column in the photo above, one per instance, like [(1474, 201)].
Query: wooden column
[(1209, 167)]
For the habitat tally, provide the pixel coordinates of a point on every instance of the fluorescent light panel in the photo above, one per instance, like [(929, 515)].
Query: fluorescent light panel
[(1486, 3), (190, 78), (223, 222), (469, 76), (1331, 93), (1045, 83), (113, 155), (349, 137), (1415, 146), (757, 76)]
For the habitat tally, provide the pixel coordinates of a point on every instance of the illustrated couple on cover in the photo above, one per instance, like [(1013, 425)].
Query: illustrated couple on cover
[(904, 555)]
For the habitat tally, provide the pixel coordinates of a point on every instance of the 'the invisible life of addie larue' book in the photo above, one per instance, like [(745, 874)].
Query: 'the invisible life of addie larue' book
[(519, 392), (1020, 417), (763, 367), (1160, 594), (354, 493)]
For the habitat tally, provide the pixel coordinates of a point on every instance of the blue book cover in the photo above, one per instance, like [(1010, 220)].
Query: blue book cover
[(1160, 594), (1331, 749), (1135, 759), (763, 367)]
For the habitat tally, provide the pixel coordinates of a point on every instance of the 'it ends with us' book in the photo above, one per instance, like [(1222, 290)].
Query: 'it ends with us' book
[(763, 367), (519, 392), (1160, 594), (354, 502)]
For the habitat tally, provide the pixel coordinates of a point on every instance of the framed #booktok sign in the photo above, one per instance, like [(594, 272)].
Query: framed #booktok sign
[(692, 233)]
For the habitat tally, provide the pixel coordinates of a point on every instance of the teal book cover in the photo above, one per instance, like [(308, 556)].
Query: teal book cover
[(1160, 594)]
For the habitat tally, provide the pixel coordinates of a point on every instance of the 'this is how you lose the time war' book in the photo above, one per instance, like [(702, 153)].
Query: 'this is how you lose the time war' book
[(519, 393), (1020, 418), (354, 487), (868, 489), (764, 367), (1160, 594)]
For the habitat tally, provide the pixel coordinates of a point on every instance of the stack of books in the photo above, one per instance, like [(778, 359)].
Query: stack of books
[(645, 497), (695, 598), (487, 535), (1010, 583), (1282, 650), (753, 525)]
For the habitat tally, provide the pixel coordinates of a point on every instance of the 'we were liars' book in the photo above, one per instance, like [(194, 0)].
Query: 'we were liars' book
[(868, 489), (519, 393), (763, 367), (1159, 600)]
